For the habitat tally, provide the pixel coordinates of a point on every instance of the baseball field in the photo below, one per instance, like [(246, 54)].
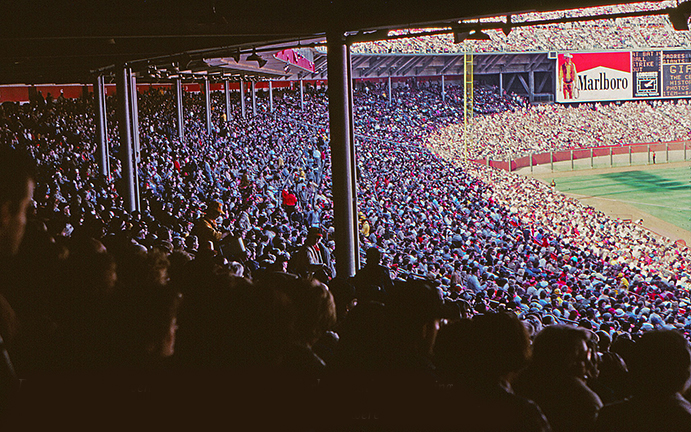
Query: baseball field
[(660, 194)]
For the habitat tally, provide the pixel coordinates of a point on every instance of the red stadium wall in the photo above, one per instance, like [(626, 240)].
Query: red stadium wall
[(14, 94), (585, 153)]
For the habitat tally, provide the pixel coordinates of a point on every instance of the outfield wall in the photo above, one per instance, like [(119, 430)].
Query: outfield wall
[(616, 155)]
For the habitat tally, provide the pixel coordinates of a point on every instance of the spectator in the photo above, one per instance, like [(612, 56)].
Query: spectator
[(206, 228), (556, 378), (16, 192), (660, 373), (373, 273), (478, 358)]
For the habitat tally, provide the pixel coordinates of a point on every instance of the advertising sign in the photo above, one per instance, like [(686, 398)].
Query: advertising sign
[(676, 72), (646, 73), (612, 76), (587, 77)]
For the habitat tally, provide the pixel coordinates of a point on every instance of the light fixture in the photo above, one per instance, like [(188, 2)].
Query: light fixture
[(478, 34), (256, 57), (236, 56)]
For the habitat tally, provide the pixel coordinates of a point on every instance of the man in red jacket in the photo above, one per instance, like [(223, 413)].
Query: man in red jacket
[(289, 201)]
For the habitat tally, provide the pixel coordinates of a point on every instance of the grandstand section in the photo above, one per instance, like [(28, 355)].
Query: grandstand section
[(623, 33), (216, 224)]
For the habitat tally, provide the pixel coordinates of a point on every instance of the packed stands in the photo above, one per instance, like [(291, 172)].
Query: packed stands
[(621, 33), (511, 134), (225, 214)]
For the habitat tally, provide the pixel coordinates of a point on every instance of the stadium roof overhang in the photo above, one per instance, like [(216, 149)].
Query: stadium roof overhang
[(68, 41), (368, 66)]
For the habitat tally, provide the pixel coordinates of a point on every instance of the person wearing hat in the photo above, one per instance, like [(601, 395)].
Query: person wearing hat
[(567, 76), (206, 228)]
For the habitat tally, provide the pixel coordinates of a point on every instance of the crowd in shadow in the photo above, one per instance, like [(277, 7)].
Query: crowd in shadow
[(218, 304)]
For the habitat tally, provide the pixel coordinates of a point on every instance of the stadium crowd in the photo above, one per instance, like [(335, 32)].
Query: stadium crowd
[(622, 33), (510, 134), (197, 279)]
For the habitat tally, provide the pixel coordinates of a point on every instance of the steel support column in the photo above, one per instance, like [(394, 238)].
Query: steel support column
[(178, 106), (101, 126), (271, 96), (341, 151), (134, 118), (389, 82), (207, 105), (127, 186), (302, 96), (226, 90), (443, 90), (253, 88), (243, 112), (134, 124), (353, 159)]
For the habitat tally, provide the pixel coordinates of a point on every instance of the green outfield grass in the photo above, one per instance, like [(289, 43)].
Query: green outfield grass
[(663, 193)]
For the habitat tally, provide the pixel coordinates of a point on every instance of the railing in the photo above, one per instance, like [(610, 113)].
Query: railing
[(599, 157)]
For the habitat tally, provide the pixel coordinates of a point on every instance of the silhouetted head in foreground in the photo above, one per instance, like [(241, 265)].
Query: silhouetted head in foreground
[(661, 364)]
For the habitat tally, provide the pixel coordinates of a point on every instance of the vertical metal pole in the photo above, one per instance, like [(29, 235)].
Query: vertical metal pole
[(531, 162), (611, 158), (178, 105), (207, 105), (648, 154), (571, 160), (134, 123), (271, 96), (591, 157), (226, 90), (253, 87), (125, 154), (342, 168), (686, 144), (667, 151), (443, 90), (302, 96), (390, 101), (101, 126), (630, 156), (134, 106), (353, 159), (242, 99), (531, 86), (501, 83), (551, 160)]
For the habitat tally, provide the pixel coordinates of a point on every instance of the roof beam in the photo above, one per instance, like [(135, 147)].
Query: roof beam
[(373, 66), (410, 64), (425, 63), (449, 63)]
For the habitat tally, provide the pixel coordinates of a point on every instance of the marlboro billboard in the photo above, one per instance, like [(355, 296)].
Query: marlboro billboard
[(588, 77)]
